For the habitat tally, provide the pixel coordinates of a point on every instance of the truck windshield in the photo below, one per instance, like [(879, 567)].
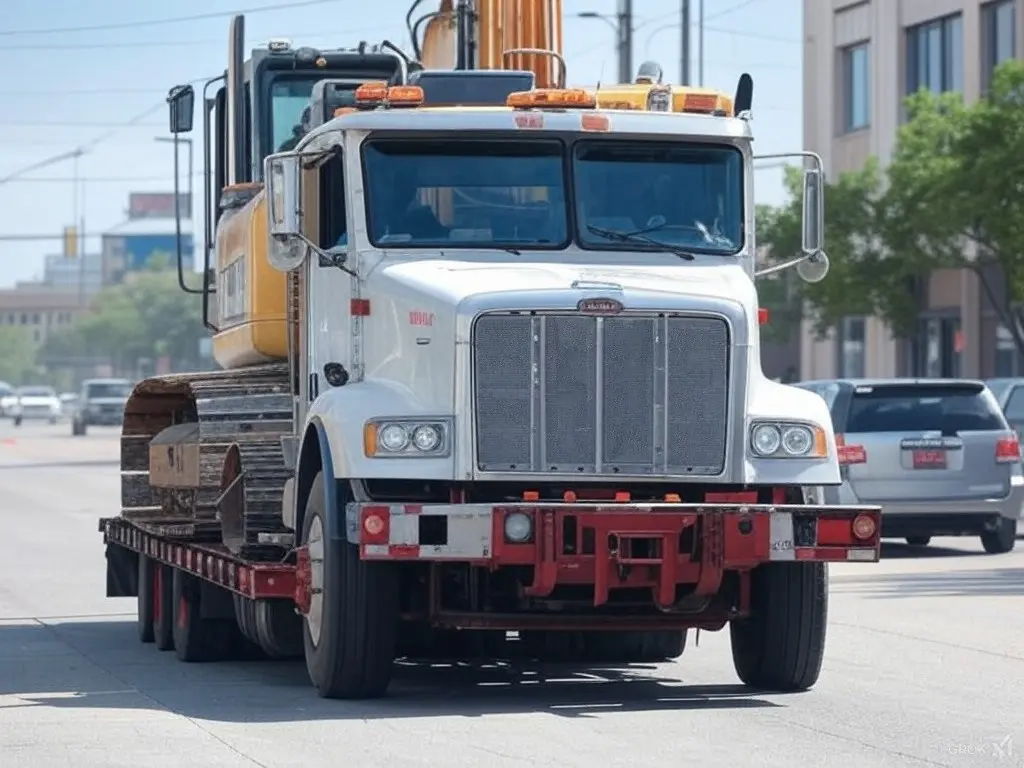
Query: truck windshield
[(685, 195), (466, 193)]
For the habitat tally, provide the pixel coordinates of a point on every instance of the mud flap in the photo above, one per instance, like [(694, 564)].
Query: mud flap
[(122, 572)]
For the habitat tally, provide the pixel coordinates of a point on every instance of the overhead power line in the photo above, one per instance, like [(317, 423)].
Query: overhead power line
[(77, 124), (93, 179), (320, 33), (165, 20)]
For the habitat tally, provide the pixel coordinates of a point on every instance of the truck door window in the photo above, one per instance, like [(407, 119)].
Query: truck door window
[(333, 220)]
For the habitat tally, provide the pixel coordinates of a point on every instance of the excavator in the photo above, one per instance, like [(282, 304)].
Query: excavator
[(464, 53), (173, 480)]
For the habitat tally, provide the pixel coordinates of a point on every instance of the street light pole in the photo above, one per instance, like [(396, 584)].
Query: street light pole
[(684, 44), (700, 43), (622, 25)]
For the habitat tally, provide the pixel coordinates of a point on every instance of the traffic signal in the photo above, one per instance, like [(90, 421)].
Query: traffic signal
[(70, 243)]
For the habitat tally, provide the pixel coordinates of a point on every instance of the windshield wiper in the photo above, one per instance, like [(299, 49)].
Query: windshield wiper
[(638, 237)]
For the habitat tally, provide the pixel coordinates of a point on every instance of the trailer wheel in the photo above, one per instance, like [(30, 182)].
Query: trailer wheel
[(350, 631), (781, 645), (145, 599), (163, 607), (197, 638)]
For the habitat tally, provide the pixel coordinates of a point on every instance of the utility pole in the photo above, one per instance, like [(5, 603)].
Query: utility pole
[(700, 43), (684, 44), (625, 30)]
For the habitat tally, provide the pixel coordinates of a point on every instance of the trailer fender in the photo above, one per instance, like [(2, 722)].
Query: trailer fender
[(315, 455)]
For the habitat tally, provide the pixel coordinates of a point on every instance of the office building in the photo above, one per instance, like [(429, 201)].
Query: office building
[(861, 59)]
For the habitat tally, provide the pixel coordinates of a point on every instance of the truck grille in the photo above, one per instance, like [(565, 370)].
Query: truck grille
[(624, 395)]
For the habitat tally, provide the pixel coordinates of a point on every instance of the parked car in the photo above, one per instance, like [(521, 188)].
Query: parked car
[(7, 398), (35, 403), (100, 402), (67, 402), (937, 455), (1010, 396)]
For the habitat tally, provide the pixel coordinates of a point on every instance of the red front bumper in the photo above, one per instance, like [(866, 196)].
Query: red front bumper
[(614, 546)]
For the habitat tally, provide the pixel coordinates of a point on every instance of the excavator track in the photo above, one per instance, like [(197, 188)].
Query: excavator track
[(249, 408)]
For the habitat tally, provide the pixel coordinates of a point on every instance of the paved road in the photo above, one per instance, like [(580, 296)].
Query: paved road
[(925, 666)]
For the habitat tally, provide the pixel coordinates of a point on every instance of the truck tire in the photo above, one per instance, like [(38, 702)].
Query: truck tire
[(146, 599), (197, 639), (163, 607), (350, 632), (780, 646), (1001, 540)]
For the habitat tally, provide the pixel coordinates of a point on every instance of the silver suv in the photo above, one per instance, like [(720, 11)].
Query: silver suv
[(937, 454), (100, 402)]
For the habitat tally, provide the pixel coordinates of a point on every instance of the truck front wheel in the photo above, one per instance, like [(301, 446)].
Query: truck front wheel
[(350, 631), (781, 645)]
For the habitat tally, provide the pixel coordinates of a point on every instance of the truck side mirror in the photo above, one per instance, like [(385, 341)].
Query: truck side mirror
[(283, 177), (814, 212), (181, 103)]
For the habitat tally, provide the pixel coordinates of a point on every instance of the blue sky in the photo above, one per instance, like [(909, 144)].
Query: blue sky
[(62, 89)]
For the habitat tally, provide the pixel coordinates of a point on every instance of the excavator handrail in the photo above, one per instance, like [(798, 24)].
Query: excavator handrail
[(563, 70)]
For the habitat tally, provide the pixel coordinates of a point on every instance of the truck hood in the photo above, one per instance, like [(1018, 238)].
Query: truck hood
[(449, 282)]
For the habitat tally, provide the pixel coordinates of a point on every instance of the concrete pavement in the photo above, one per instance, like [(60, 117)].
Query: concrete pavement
[(925, 666)]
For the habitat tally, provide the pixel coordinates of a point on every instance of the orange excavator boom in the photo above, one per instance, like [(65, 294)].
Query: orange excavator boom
[(491, 34)]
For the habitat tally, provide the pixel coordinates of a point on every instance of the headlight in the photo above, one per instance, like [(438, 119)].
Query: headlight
[(518, 528), (780, 440), (406, 438)]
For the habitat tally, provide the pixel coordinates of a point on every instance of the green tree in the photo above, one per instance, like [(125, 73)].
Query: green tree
[(147, 316), (955, 198), (17, 354), (862, 280)]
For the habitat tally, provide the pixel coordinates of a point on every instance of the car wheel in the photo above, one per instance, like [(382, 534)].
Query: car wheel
[(1001, 540)]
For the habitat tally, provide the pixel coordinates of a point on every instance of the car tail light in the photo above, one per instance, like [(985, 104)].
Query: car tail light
[(1008, 450), (850, 454)]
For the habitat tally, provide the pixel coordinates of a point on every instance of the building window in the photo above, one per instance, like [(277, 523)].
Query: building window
[(937, 349), (851, 338), (999, 36), (856, 88), (935, 55), (1006, 353)]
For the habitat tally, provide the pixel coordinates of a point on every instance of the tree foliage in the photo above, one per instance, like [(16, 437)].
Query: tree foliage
[(146, 317), (17, 354), (851, 241), (952, 196)]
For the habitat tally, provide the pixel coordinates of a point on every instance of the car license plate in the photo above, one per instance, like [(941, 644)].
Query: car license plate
[(930, 459)]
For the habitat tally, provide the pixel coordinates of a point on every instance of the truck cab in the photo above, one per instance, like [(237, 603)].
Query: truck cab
[(501, 287)]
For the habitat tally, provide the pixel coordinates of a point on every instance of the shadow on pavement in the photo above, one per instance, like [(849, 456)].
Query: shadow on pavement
[(892, 550), (102, 664), (994, 583)]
